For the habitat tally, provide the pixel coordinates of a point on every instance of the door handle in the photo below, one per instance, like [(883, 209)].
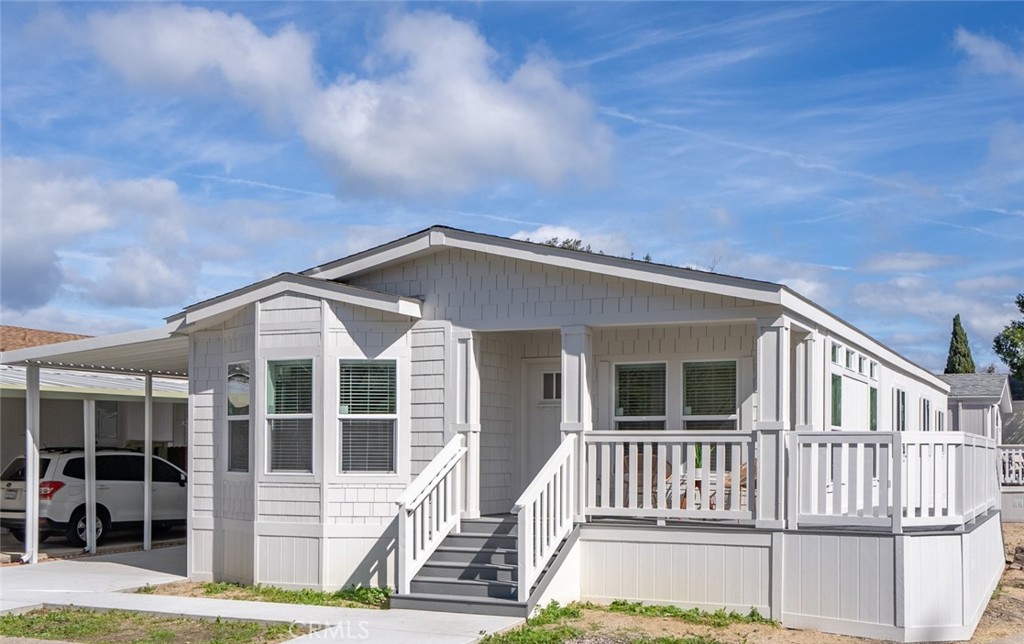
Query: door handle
[(102, 487)]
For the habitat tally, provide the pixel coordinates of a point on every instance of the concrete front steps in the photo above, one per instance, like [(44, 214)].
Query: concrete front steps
[(474, 571)]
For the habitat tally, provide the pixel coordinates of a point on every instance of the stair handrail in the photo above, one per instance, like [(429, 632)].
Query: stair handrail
[(429, 510), (544, 513)]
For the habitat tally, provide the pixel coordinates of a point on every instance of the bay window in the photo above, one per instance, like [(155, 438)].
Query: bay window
[(367, 415), (238, 396), (290, 415)]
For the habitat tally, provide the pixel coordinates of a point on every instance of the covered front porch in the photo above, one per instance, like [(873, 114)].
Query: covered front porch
[(764, 468)]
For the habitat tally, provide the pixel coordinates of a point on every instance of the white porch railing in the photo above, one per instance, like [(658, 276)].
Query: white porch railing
[(429, 510), (670, 474), (544, 514), (892, 480), (1011, 464)]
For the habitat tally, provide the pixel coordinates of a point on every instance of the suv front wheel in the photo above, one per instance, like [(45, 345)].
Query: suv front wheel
[(76, 533)]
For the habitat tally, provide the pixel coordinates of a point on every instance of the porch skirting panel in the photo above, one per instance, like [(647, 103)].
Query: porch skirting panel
[(912, 587), (702, 568), (1013, 504)]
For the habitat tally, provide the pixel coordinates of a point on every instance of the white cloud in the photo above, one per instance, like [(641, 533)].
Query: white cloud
[(614, 243), (907, 262), (49, 212), (442, 120), (990, 55)]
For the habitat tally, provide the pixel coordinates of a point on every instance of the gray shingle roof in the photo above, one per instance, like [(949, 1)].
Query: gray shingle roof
[(975, 385)]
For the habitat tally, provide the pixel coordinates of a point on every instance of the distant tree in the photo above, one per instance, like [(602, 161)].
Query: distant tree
[(989, 368), (959, 359), (1009, 344), (570, 243)]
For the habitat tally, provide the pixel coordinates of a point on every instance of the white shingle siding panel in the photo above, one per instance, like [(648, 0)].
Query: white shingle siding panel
[(298, 503), (496, 396), (427, 395), (467, 287), (363, 504)]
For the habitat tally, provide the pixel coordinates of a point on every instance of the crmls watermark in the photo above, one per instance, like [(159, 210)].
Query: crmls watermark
[(343, 630)]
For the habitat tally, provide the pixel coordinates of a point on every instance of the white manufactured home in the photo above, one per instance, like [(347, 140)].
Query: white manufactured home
[(487, 424)]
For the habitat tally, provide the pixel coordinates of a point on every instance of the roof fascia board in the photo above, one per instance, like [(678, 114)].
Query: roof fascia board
[(624, 268), (47, 352), (816, 314), (78, 393), (304, 286)]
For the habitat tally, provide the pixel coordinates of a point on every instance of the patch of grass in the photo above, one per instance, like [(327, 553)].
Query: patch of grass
[(690, 639), (146, 590), (997, 593), (544, 628), (717, 619), (123, 627), (352, 596)]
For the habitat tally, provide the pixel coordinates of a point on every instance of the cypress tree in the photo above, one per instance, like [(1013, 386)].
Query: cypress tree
[(959, 360)]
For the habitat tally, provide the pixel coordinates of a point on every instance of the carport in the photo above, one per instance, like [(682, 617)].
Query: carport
[(162, 352)]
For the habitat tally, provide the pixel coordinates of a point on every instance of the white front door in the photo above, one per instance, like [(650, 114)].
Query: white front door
[(542, 414)]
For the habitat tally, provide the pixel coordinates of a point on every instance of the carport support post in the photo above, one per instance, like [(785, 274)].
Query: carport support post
[(31, 464), (147, 490), (89, 441)]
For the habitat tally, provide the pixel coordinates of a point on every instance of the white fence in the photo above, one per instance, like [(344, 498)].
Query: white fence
[(1011, 464), (544, 513), (429, 510), (670, 475), (891, 480)]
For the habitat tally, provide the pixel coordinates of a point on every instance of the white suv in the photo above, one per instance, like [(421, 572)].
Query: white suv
[(119, 491)]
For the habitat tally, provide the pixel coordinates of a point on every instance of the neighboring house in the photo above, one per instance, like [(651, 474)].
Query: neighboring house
[(979, 403), (487, 424)]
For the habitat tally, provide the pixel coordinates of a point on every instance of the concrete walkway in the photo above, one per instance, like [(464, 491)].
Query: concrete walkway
[(100, 582)]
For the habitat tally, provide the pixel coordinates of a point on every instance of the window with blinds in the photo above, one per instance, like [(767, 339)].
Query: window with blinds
[(837, 400), (238, 396), (367, 415), (709, 395), (290, 415), (640, 396)]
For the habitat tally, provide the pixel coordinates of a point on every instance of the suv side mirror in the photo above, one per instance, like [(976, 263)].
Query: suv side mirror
[(182, 480)]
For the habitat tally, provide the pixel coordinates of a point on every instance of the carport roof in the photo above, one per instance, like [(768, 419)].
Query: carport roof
[(161, 351)]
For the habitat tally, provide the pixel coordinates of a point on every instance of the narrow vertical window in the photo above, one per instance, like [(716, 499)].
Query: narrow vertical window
[(900, 411), (940, 421), (873, 406), (367, 415), (290, 415), (926, 415), (837, 400), (849, 359), (640, 396), (238, 395), (835, 353)]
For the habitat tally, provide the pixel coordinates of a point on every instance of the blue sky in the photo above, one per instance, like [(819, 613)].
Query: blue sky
[(870, 155)]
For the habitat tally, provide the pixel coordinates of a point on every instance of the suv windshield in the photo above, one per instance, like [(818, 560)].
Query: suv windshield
[(16, 470)]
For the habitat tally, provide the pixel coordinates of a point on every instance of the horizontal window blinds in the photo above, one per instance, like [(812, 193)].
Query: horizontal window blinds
[(291, 445), (368, 445), (367, 387), (709, 388), (640, 390), (290, 387)]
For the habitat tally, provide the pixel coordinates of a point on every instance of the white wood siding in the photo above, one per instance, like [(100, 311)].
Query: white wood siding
[(289, 561), (362, 503), (367, 560)]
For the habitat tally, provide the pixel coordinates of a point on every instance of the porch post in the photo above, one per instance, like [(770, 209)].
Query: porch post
[(89, 444), (467, 415), (31, 464), (773, 396), (577, 401), (147, 471)]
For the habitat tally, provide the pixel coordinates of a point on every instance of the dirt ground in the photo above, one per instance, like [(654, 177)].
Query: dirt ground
[(1003, 618)]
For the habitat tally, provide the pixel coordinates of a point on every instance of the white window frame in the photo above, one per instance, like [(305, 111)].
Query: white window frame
[(556, 376), (712, 417), (899, 410), (238, 418), (269, 417), (394, 417), (926, 415), (616, 419), (940, 420)]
